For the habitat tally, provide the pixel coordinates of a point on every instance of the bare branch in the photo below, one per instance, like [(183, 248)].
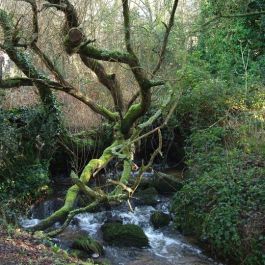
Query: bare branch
[(127, 26), (15, 82), (45, 59), (166, 36), (35, 21), (49, 64), (108, 80), (144, 168), (251, 14), (68, 9), (11, 83)]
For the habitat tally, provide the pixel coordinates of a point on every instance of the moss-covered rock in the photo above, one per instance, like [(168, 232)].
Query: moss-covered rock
[(129, 235), (80, 254), (147, 197), (165, 183), (159, 219), (86, 243)]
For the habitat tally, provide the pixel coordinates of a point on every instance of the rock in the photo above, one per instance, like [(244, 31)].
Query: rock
[(86, 243), (160, 219), (129, 235), (147, 197), (165, 183), (95, 255), (80, 254)]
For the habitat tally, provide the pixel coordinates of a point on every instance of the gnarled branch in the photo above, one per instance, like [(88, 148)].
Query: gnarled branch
[(166, 36), (108, 80), (16, 82)]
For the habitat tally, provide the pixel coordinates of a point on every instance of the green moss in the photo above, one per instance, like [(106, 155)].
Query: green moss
[(159, 219), (130, 117), (72, 192), (88, 244), (129, 235), (222, 201), (95, 53)]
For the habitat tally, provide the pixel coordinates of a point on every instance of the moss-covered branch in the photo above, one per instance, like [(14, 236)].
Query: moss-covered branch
[(77, 42), (87, 208), (71, 196), (166, 37), (127, 26), (84, 188), (106, 55), (71, 215), (137, 110)]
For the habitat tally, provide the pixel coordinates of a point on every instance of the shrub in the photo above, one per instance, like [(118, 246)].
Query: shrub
[(223, 201), (26, 145)]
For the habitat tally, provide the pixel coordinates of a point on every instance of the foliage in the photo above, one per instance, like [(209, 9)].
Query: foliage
[(26, 146), (221, 114), (225, 42), (223, 201)]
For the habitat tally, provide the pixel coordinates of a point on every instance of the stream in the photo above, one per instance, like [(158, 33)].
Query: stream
[(167, 246)]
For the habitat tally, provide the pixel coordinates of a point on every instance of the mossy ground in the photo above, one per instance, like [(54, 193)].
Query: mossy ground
[(20, 248)]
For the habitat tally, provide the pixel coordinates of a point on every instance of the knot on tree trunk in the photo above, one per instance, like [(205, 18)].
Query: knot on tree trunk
[(73, 39)]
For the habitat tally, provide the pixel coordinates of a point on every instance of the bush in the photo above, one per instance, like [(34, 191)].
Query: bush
[(26, 146), (223, 201)]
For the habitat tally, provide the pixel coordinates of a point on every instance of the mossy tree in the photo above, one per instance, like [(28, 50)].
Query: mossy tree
[(127, 129)]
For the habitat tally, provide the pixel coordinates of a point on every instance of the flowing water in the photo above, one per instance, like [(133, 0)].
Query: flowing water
[(167, 246)]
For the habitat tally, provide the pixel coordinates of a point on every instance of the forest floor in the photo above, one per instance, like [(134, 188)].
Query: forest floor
[(20, 248)]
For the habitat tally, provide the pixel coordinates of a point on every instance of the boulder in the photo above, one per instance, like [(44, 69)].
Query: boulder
[(160, 219), (129, 235), (165, 183)]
